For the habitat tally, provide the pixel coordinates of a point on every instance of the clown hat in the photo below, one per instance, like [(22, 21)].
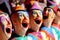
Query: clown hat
[(54, 7), (36, 6), (19, 7)]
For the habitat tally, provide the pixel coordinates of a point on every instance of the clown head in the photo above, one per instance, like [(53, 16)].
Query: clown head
[(6, 24), (48, 15), (20, 20), (35, 17)]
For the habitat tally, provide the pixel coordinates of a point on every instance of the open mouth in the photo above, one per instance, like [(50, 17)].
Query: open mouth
[(8, 30), (25, 24), (45, 17), (37, 21)]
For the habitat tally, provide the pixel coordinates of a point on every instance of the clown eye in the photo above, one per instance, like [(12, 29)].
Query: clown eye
[(40, 13), (50, 11), (34, 13), (26, 14), (20, 15)]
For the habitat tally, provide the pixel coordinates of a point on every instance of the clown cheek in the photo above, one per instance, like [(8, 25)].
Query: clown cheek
[(34, 26), (23, 31)]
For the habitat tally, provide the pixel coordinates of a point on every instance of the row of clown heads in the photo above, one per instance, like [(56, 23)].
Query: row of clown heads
[(32, 24)]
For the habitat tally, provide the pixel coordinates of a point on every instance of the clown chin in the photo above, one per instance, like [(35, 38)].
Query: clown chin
[(36, 29), (23, 29), (35, 25), (8, 32)]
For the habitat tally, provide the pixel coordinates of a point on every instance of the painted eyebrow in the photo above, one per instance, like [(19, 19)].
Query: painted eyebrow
[(34, 12)]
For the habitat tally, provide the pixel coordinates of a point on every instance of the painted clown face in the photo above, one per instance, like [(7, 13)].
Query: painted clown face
[(48, 14), (6, 24), (36, 19), (22, 23), (58, 13)]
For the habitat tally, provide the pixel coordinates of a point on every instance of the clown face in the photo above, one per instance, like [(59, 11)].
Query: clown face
[(48, 13), (6, 24), (22, 23), (35, 19), (48, 16)]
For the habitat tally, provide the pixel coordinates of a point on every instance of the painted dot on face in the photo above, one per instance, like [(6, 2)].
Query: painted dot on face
[(21, 13)]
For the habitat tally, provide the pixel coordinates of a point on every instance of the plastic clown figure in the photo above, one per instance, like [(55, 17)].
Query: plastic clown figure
[(20, 19), (56, 22), (56, 25), (36, 19), (5, 27), (48, 17)]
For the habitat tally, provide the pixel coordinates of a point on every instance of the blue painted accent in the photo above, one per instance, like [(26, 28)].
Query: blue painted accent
[(3, 28), (22, 12)]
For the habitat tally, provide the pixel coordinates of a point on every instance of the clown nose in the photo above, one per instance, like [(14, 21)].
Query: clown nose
[(8, 30), (25, 25), (37, 21)]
